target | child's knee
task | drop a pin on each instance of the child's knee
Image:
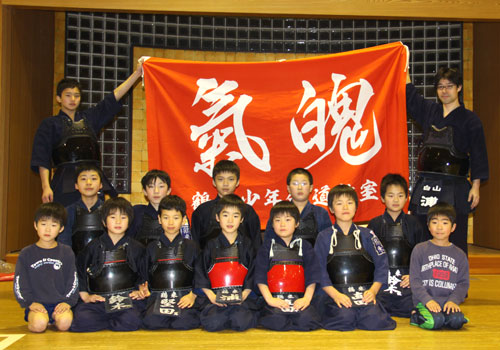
(243, 320)
(439, 320)
(37, 322)
(37, 326)
(455, 320)
(63, 321)
(426, 319)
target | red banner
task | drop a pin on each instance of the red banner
(341, 116)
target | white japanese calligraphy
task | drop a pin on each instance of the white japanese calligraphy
(117, 298)
(168, 303)
(117, 302)
(428, 201)
(367, 191)
(219, 97)
(340, 112)
(271, 197)
(357, 295)
(393, 282)
(119, 306)
(320, 197)
(435, 188)
(199, 198)
(251, 197)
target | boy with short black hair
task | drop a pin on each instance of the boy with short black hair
(313, 218)
(354, 266)
(439, 274)
(225, 271)
(399, 233)
(170, 263)
(110, 269)
(286, 273)
(45, 281)
(204, 226)
(69, 138)
(84, 218)
(156, 185)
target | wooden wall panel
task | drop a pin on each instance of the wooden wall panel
(5, 25)
(487, 106)
(444, 9)
(31, 42)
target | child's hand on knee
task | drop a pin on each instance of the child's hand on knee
(342, 300)
(187, 301)
(95, 298)
(212, 297)
(433, 306)
(137, 295)
(278, 303)
(301, 304)
(37, 307)
(450, 306)
(369, 296)
(61, 308)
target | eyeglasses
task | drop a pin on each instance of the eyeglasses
(445, 87)
(296, 183)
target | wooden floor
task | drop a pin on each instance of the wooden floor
(483, 332)
(484, 260)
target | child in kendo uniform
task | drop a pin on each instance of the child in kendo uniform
(354, 267)
(225, 271)
(69, 139)
(313, 218)
(205, 226)
(286, 273)
(84, 217)
(110, 270)
(170, 263)
(399, 233)
(156, 185)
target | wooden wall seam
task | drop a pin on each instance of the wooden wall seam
(386, 9)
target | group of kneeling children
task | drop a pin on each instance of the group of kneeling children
(138, 267)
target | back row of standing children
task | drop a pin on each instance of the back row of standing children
(236, 281)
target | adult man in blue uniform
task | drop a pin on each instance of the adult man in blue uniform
(453, 142)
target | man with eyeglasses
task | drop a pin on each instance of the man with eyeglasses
(454, 148)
